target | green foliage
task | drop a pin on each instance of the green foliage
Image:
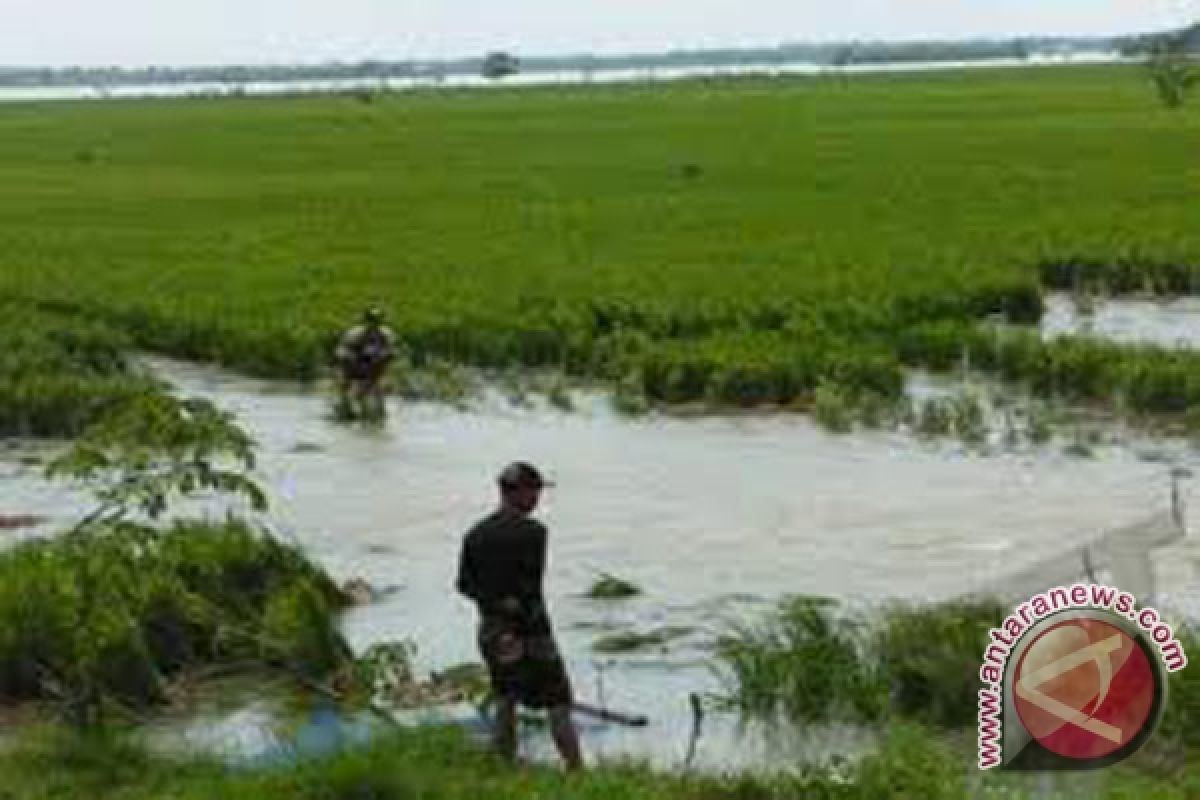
(571, 247)
(1183, 694)
(631, 641)
(912, 765)
(910, 762)
(807, 662)
(1174, 72)
(296, 629)
(109, 615)
(59, 373)
(811, 660)
(832, 409)
(143, 452)
(610, 587)
(931, 658)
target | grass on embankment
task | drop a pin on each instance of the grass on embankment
(557, 228)
(440, 764)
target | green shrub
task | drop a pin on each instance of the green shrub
(118, 610)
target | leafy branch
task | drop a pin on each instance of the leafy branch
(152, 449)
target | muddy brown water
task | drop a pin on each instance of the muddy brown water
(715, 518)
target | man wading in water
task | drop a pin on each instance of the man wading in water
(501, 567)
(363, 356)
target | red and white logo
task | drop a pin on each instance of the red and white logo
(1084, 689)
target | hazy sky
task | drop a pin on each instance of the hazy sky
(136, 32)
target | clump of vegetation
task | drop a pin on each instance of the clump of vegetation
(108, 616)
(930, 657)
(59, 373)
(1183, 691)
(630, 397)
(962, 414)
(631, 641)
(832, 409)
(936, 417)
(813, 661)
(1174, 71)
(610, 587)
(807, 662)
(558, 393)
(1082, 444)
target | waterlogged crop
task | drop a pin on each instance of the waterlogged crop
(822, 237)
(60, 372)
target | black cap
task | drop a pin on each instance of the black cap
(519, 475)
(373, 314)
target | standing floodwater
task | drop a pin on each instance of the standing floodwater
(1173, 322)
(714, 518)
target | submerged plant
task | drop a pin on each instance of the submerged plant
(610, 587)
(832, 408)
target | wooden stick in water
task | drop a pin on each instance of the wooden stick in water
(632, 720)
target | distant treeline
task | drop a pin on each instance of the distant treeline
(833, 54)
(1186, 40)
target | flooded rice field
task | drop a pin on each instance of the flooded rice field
(1173, 322)
(715, 518)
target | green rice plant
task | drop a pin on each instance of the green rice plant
(809, 661)
(58, 373)
(629, 397)
(831, 409)
(1040, 424)
(930, 656)
(937, 417)
(804, 662)
(558, 393)
(604, 271)
(970, 418)
(876, 410)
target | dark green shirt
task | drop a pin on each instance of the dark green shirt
(504, 556)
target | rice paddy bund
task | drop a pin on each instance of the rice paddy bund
(741, 242)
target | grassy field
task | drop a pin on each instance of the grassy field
(732, 241)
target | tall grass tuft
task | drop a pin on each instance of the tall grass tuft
(810, 660)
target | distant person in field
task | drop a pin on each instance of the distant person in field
(363, 356)
(501, 567)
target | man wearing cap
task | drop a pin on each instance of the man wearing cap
(363, 355)
(501, 567)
